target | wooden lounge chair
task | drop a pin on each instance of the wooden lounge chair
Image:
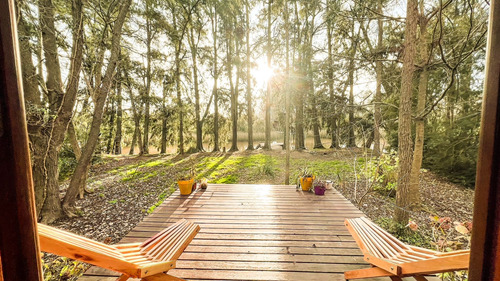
(148, 261)
(391, 257)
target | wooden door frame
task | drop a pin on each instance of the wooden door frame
(18, 236)
(485, 248)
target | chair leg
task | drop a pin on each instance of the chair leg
(366, 273)
(161, 277)
(420, 278)
(123, 278)
(396, 278)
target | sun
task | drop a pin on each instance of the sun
(262, 72)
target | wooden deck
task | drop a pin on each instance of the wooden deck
(256, 232)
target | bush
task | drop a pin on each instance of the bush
(67, 162)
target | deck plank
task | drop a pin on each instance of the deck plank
(256, 232)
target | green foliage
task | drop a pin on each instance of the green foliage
(403, 233)
(451, 151)
(67, 162)
(267, 169)
(227, 179)
(164, 195)
(383, 172)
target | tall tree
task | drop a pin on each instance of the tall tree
(311, 12)
(47, 134)
(150, 34)
(333, 114)
(403, 191)
(299, 94)
(79, 177)
(215, 91)
(248, 78)
(377, 114)
(117, 146)
(351, 140)
(193, 35)
(230, 22)
(287, 94)
(267, 142)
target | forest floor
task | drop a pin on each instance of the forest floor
(125, 189)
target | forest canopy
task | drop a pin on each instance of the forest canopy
(185, 76)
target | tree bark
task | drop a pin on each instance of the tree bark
(80, 175)
(109, 138)
(234, 100)
(314, 111)
(249, 80)
(164, 117)
(351, 142)
(132, 144)
(216, 78)
(180, 108)
(403, 193)
(287, 95)
(418, 151)
(299, 96)
(137, 138)
(194, 53)
(117, 146)
(34, 114)
(377, 114)
(333, 113)
(267, 142)
(149, 39)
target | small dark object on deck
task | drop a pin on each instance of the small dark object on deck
(203, 184)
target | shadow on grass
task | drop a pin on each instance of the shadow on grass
(216, 165)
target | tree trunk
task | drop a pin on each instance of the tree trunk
(299, 122)
(137, 138)
(109, 138)
(267, 142)
(287, 95)
(377, 114)
(249, 80)
(34, 114)
(332, 113)
(216, 78)
(60, 104)
(351, 142)
(132, 144)
(149, 39)
(180, 109)
(199, 124)
(164, 118)
(117, 146)
(80, 175)
(314, 111)
(418, 151)
(234, 101)
(403, 193)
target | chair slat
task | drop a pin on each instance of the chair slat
(387, 234)
(368, 243)
(381, 243)
(168, 234)
(166, 243)
(176, 251)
